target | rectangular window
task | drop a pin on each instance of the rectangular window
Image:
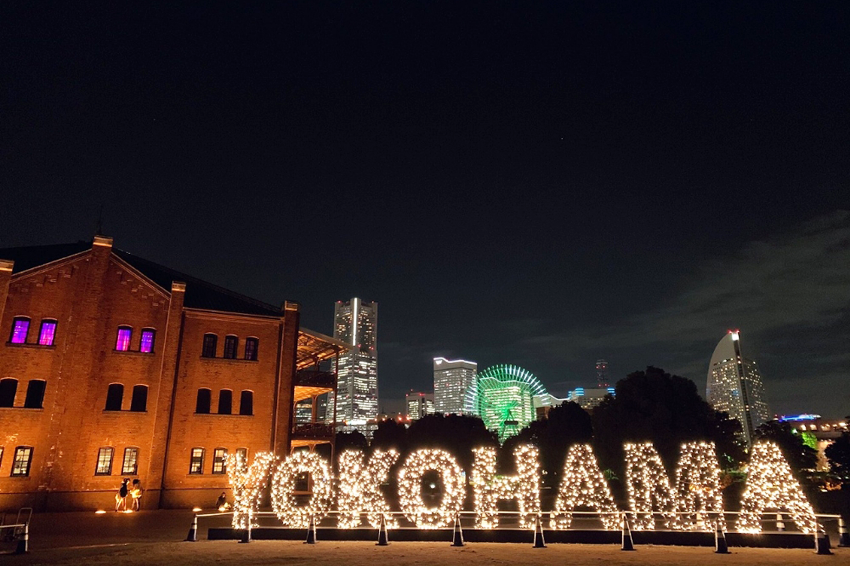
(131, 459)
(251, 347)
(242, 454)
(148, 336)
(230, 345)
(1, 455)
(210, 342)
(122, 343)
(47, 332)
(246, 403)
(104, 462)
(23, 459)
(196, 464)
(20, 329)
(220, 461)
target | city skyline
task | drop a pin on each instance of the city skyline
(544, 185)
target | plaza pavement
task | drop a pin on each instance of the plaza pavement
(155, 537)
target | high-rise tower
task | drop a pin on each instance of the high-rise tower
(734, 385)
(356, 402)
(452, 378)
(602, 374)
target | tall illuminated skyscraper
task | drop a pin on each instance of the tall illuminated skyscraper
(452, 378)
(734, 385)
(356, 402)
(602, 374)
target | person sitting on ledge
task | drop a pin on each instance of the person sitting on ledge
(221, 503)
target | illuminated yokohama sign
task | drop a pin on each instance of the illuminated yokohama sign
(694, 492)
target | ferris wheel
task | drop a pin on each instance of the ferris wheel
(503, 396)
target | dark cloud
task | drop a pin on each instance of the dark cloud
(788, 294)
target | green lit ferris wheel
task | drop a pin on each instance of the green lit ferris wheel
(503, 396)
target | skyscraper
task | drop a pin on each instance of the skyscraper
(419, 404)
(451, 380)
(734, 385)
(602, 374)
(356, 402)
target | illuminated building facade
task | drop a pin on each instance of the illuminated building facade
(117, 367)
(589, 398)
(505, 397)
(356, 400)
(419, 404)
(452, 379)
(734, 385)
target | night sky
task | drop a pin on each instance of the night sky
(541, 184)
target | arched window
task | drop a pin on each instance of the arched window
(122, 341)
(220, 461)
(231, 344)
(148, 340)
(225, 402)
(210, 344)
(8, 388)
(196, 462)
(47, 332)
(246, 403)
(130, 467)
(114, 397)
(202, 405)
(252, 347)
(20, 329)
(139, 401)
(35, 394)
(104, 461)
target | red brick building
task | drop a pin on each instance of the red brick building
(115, 367)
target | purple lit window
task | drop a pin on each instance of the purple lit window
(47, 332)
(20, 328)
(147, 341)
(122, 344)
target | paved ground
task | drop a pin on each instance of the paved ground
(413, 554)
(154, 537)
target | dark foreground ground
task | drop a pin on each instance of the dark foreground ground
(155, 537)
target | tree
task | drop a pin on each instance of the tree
(390, 434)
(565, 425)
(346, 440)
(838, 454)
(666, 410)
(457, 434)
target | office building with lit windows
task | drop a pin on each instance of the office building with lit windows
(116, 367)
(452, 379)
(419, 404)
(602, 374)
(356, 401)
(734, 385)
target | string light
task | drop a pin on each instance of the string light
(360, 488)
(488, 489)
(283, 487)
(648, 486)
(247, 484)
(583, 484)
(770, 485)
(698, 490)
(410, 488)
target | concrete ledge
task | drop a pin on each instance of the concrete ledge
(766, 540)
